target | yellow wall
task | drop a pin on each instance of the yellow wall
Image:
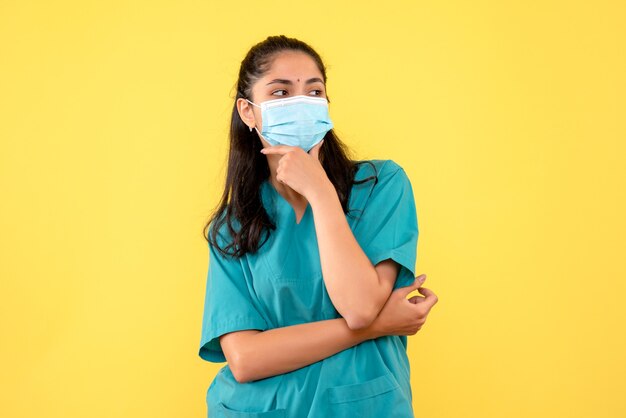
(507, 116)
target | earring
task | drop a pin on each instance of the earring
(250, 128)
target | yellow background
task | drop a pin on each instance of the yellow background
(507, 116)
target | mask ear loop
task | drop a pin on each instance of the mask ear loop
(254, 105)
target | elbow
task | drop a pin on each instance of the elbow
(238, 367)
(364, 317)
(242, 361)
(237, 374)
(362, 320)
(240, 378)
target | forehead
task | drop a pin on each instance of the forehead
(293, 65)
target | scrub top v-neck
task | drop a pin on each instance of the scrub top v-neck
(282, 284)
(268, 188)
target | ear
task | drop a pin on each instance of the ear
(246, 113)
(315, 151)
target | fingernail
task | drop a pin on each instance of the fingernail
(422, 277)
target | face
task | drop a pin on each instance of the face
(292, 73)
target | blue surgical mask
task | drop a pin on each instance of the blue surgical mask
(298, 121)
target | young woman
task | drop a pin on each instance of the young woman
(311, 258)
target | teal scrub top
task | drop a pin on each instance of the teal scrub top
(282, 285)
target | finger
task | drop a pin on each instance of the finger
(315, 151)
(431, 298)
(416, 299)
(405, 290)
(277, 149)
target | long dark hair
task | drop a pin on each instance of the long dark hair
(248, 168)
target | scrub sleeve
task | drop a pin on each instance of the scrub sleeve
(387, 228)
(228, 303)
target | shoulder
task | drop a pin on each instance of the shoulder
(383, 170)
(222, 231)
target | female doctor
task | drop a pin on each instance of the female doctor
(311, 258)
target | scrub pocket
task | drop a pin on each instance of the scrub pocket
(378, 397)
(231, 413)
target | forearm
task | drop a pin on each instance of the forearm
(281, 350)
(354, 287)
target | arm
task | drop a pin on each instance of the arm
(228, 309)
(254, 354)
(356, 289)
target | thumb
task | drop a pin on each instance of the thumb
(413, 286)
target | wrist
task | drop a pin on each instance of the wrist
(371, 332)
(324, 192)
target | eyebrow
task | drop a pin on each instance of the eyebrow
(283, 81)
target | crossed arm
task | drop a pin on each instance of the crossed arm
(254, 354)
(358, 290)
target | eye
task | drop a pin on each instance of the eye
(319, 92)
